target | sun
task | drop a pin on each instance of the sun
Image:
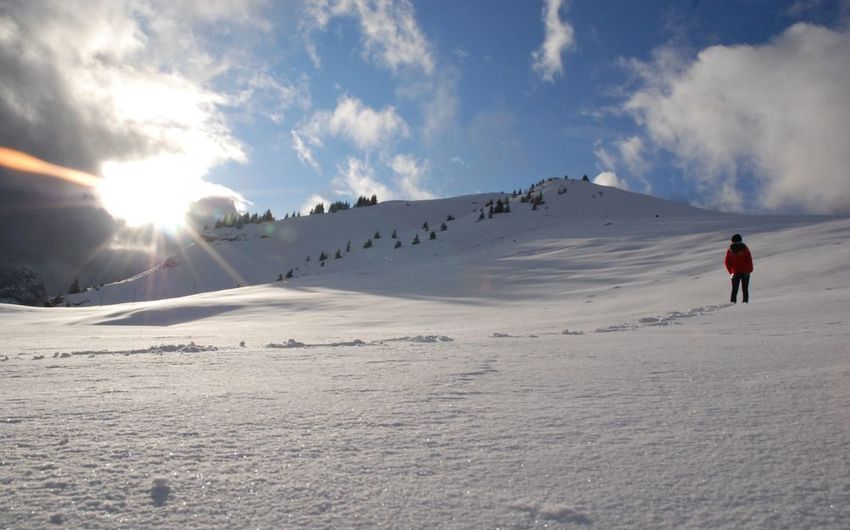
(149, 192)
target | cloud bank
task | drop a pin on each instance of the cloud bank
(776, 116)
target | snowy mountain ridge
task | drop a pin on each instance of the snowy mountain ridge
(298, 247)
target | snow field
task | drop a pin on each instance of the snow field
(568, 374)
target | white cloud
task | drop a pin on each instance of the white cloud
(305, 154)
(609, 178)
(312, 202)
(632, 154)
(409, 174)
(778, 113)
(437, 96)
(607, 160)
(391, 35)
(357, 178)
(366, 127)
(559, 36)
(265, 95)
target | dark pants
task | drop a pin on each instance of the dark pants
(744, 281)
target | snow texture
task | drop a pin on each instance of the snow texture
(577, 366)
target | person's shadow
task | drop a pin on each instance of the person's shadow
(160, 492)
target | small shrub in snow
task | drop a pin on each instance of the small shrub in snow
(481, 217)
(348, 247)
(338, 254)
(432, 235)
(443, 227)
(367, 244)
(425, 226)
(450, 218)
(415, 240)
(289, 274)
(377, 235)
(397, 244)
(394, 236)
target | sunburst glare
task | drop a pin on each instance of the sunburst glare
(155, 191)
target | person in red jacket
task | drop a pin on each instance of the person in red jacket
(739, 263)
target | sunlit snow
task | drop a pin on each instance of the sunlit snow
(578, 365)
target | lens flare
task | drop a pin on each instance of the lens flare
(19, 161)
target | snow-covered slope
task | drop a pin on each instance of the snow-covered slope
(571, 367)
(256, 254)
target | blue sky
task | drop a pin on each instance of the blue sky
(735, 105)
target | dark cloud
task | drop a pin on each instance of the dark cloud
(53, 226)
(60, 64)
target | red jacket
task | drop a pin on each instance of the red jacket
(738, 259)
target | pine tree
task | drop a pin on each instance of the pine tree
(339, 206)
(377, 235)
(450, 218)
(289, 274)
(425, 226)
(367, 244)
(397, 244)
(348, 247)
(280, 277)
(432, 235)
(415, 240)
(338, 254)
(394, 236)
(443, 227)
(75, 287)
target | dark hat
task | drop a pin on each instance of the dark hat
(737, 238)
